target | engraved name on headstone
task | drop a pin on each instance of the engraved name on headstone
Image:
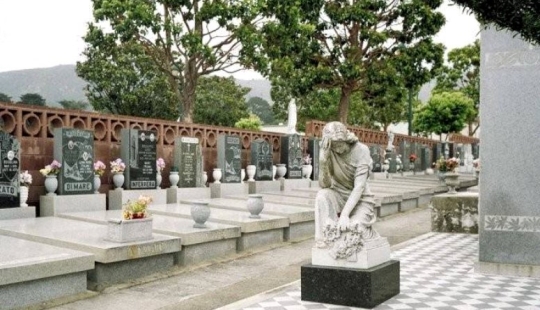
(74, 149)
(261, 157)
(139, 152)
(291, 155)
(9, 171)
(188, 160)
(230, 158)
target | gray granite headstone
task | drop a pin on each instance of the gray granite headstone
(313, 151)
(9, 171)
(425, 158)
(74, 149)
(510, 118)
(262, 158)
(476, 150)
(229, 154)
(376, 157)
(460, 154)
(391, 157)
(405, 152)
(291, 155)
(437, 151)
(188, 160)
(139, 152)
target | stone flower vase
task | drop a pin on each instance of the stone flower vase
(217, 174)
(306, 171)
(204, 178)
(174, 178)
(250, 169)
(200, 212)
(452, 182)
(51, 184)
(159, 178)
(97, 183)
(242, 175)
(281, 171)
(274, 171)
(255, 205)
(441, 176)
(24, 195)
(118, 180)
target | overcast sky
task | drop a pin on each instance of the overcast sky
(46, 33)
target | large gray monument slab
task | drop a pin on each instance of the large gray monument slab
(9, 171)
(139, 153)
(261, 157)
(510, 116)
(313, 151)
(291, 155)
(229, 152)
(188, 160)
(74, 149)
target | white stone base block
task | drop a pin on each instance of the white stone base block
(52, 205)
(290, 184)
(118, 197)
(129, 230)
(17, 213)
(175, 194)
(375, 252)
(221, 190)
(511, 270)
(263, 186)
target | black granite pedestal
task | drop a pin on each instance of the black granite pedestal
(365, 288)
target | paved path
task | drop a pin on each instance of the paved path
(221, 283)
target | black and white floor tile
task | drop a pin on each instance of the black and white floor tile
(436, 273)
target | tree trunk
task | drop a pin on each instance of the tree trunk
(188, 92)
(344, 103)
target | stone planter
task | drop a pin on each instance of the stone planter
(255, 205)
(174, 178)
(200, 212)
(306, 171)
(217, 174)
(159, 178)
(118, 180)
(250, 170)
(24, 196)
(281, 171)
(97, 183)
(452, 182)
(129, 230)
(51, 184)
(441, 176)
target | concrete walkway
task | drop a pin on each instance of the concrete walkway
(224, 282)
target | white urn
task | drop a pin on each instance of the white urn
(217, 174)
(251, 169)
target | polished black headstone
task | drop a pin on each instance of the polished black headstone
(460, 154)
(188, 160)
(229, 158)
(313, 151)
(262, 158)
(405, 152)
(139, 153)
(9, 171)
(376, 157)
(425, 158)
(74, 149)
(437, 151)
(365, 288)
(476, 150)
(291, 155)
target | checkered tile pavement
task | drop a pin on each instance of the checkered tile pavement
(436, 273)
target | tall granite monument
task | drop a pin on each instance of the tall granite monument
(313, 152)
(261, 157)
(139, 153)
(291, 155)
(229, 151)
(188, 160)
(74, 149)
(509, 236)
(9, 171)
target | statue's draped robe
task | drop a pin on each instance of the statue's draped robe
(345, 169)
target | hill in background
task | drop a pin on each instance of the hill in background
(62, 83)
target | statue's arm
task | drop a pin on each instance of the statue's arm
(359, 184)
(325, 167)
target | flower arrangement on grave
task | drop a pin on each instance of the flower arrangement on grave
(25, 178)
(160, 164)
(118, 166)
(440, 164)
(99, 168)
(412, 158)
(476, 164)
(452, 164)
(306, 160)
(136, 209)
(52, 169)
